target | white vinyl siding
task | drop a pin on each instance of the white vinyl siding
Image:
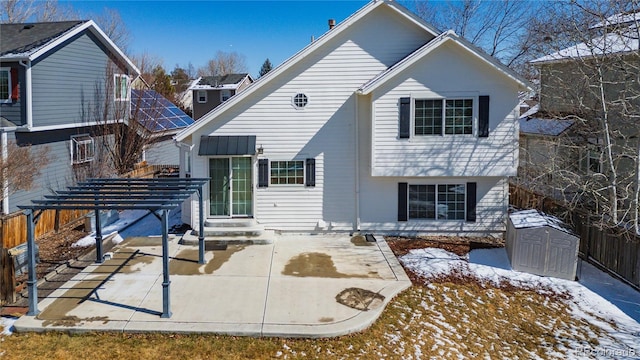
(450, 155)
(324, 130)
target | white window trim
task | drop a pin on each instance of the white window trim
(304, 174)
(436, 202)
(222, 99)
(78, 140)
(206, 96)
(116, 85)
(444, 97)
(9, 90)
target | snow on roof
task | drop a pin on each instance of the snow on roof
(611, 43)
(618, 19)
(532, 218)
(538, 126)
(532, 110)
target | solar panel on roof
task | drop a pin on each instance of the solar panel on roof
(156, 113)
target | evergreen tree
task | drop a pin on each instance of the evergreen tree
(266, 67)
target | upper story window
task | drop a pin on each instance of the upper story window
(202, 96)
(121, 87)
(300, 100)
(287, 172)
(225, 94)
(82, 149)
(443, 116)
(5, 84)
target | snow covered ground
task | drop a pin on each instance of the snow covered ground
(598, 298)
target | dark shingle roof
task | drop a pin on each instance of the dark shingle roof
(222, 80)
(26, 38)
(538, 126)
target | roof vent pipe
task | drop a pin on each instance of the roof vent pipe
(332, 23)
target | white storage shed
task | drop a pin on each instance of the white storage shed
(541, 244)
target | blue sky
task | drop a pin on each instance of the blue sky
(180, 32)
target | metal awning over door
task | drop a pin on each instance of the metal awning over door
(227, 145)
(158, 196)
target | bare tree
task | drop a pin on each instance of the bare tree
(19, 11)
(498, 27)
(112, 24)
(21, 166)
(223, 64)
(593, 79)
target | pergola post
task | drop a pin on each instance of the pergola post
(201, 227)
(166, 298)
(32, 282)
(99, 256)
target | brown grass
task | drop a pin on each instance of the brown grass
(446, 317)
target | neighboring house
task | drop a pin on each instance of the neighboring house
(582, 85)
(382, 124)
(541, 150)
(210, 91)
(55, 78)
(162, 120)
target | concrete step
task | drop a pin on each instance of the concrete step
(230, 223)
(264, 237)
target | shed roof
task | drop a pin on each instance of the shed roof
(532, 218)
(540, 126)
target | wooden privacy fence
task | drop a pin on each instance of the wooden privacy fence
(616, 250)
(13, 227)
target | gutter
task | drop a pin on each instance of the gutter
(28, 95)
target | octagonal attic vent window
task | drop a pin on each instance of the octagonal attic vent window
(300, 100)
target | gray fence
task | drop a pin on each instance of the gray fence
(616, 251)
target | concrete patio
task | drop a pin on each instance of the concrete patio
(297, 286)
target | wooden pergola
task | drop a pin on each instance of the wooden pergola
(158, 196)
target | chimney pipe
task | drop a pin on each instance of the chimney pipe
(332, 23)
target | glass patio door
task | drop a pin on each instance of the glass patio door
(231, 188)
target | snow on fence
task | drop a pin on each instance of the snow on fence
(614, 250)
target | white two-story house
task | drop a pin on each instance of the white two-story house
(381, 125)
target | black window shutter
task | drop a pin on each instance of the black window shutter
(311, 172)
(402, 202)
(405, 118)
(471, 201)
(263, 172)
(483, 116)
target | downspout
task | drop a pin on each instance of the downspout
(5, 181)
(29, 98)
(357, 163)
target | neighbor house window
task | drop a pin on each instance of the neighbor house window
(82, 149)
(202, 96)
(443, 116)
(5, 84)
(287, 172)
(121, 87)
(300, 100)
(445, 201)
(225, 94)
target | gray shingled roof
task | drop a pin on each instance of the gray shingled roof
(26, 38)
(222, 80)
(538, 126)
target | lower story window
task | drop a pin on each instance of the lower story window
(82, 149)
(287, 172)
(437, 201)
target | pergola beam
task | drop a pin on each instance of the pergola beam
(117, 194)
